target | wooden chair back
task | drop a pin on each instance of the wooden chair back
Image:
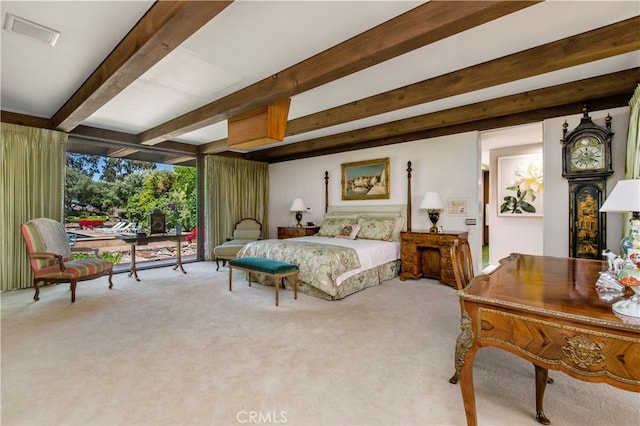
(462, 263)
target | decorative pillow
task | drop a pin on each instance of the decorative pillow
(372, 228)
(397, 228)
(349, 232)
(332, 227)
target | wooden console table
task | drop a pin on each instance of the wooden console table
(134, 241)
(546, 310)
(426, 254)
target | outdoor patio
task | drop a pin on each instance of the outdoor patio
(156, 251)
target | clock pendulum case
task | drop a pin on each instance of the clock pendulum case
(586, 163)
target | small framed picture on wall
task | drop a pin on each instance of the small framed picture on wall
(458, 207)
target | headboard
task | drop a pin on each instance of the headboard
(388, 210)
(403, 211)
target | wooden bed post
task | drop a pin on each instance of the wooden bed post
(326, 191)
(408, 196)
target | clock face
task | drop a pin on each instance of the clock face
(587, 154)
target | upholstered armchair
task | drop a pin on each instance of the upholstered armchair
(244, 232)
(50, 257)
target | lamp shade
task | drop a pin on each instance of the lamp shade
(298, 206)
(432, 201)
(624, 198)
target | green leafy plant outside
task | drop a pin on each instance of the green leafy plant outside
(113, 257)
(129, 190)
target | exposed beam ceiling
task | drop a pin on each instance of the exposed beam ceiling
(175, 74)
(163, 28)
(425, 24)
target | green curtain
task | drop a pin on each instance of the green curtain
(632, 167)
(234, 189)
(32, 163)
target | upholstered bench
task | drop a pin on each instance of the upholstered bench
(260, 265)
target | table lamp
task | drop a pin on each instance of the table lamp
(625, 198)
(432, 202)
(298, 207)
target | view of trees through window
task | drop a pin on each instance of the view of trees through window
(116, 189)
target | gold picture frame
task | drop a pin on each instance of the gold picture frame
(366, 180)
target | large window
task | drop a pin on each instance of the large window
(106, 197)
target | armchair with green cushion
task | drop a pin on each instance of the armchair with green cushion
(244, 232)
(50, 257)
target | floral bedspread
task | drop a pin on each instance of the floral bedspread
(319, 264)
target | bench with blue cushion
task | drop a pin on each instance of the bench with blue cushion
(260, 265)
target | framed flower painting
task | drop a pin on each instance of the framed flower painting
(520, 185)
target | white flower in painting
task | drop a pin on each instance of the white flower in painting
(529, 178)
(527, 184)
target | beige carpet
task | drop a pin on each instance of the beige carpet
(181, 350)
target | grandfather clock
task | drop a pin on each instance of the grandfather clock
(586, 163)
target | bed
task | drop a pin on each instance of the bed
(334, 264)
(357, 246)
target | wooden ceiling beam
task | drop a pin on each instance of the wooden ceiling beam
(129, 141)
(418, 27)
(24, 120)
(163, 28)
(611, 40)
(623, 82)
(616, 39)
(493, 123)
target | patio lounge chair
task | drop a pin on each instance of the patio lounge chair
(113, 228)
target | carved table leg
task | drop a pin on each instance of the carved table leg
(465, 352)
(179, 257)
(466, 387)
(542, 374)
(133, 271)
(463, 343)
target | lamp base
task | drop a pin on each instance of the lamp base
(434, 215)
(298, 218)
(632, 242)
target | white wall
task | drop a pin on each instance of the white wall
(556, 210)
(512, 234)
(450, 165)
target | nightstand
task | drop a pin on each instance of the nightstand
(292, 231)
(426, 254)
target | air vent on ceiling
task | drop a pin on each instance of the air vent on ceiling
(34, 31)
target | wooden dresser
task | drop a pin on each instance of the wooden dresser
(428, 255)
(292, 231)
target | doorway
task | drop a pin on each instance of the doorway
(504, 141)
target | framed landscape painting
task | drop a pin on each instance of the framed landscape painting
(366, 180)
(520, 185)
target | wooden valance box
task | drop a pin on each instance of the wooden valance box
(261, 126)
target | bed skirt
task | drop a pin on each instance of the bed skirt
(365, 279)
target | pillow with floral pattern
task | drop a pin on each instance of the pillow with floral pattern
(350, 232)
(331, 227)
(376, 229)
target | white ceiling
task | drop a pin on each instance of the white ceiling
(251, 40)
